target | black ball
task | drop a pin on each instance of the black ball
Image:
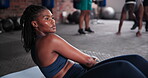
(70, 18)
(7, 24)
(76, 15)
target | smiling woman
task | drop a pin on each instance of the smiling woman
(52, 53)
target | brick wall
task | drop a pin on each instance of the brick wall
(17, 7)
(60, 6)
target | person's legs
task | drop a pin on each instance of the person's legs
(136, 60)
(132, 15)
(114, 69)
(87, 21)
(83, 7)
(81, 19)
(140, 19)
(122, 18)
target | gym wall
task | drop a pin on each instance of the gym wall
(16, 7)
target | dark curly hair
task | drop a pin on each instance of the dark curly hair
(28, 31)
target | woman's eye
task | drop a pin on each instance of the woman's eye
(46, 18)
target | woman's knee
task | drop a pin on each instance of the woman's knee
(135, 56)
(116, 64)
(124, 63)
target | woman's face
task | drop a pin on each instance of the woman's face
(45, 22)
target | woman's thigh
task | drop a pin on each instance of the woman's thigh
(114, 69)
(136, 60)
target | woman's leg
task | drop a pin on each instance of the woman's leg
(140, 19)
(114, 69)
(136, 60)
(87, 19)
(81, 20)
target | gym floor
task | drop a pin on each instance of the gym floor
(103, 43)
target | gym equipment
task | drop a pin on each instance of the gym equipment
(4, 4)
(70, 18)
(107, 13)
(7, 24)
(64, 17)
(75, 16)
(16, 22)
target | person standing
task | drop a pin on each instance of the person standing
(132, 6)
(85, 6)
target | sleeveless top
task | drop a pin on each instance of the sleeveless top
(52, 69)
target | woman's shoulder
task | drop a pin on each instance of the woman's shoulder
(48, 40)
(53, 37)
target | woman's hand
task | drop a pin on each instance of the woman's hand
(96, 59)
(93, 61)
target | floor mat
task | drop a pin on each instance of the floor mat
(33, 72)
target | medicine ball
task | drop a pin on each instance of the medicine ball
(7, 24)
(75, 16)
(70, 18)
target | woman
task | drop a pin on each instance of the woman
(52, 53)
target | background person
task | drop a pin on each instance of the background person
(85, 6)
(132, 6)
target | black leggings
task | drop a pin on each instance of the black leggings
(127, 66)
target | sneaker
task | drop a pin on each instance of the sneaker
(89, 30)
(134, 26)
(81, 31)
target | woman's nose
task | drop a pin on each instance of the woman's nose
(52, 21)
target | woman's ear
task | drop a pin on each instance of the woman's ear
(34, 24)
